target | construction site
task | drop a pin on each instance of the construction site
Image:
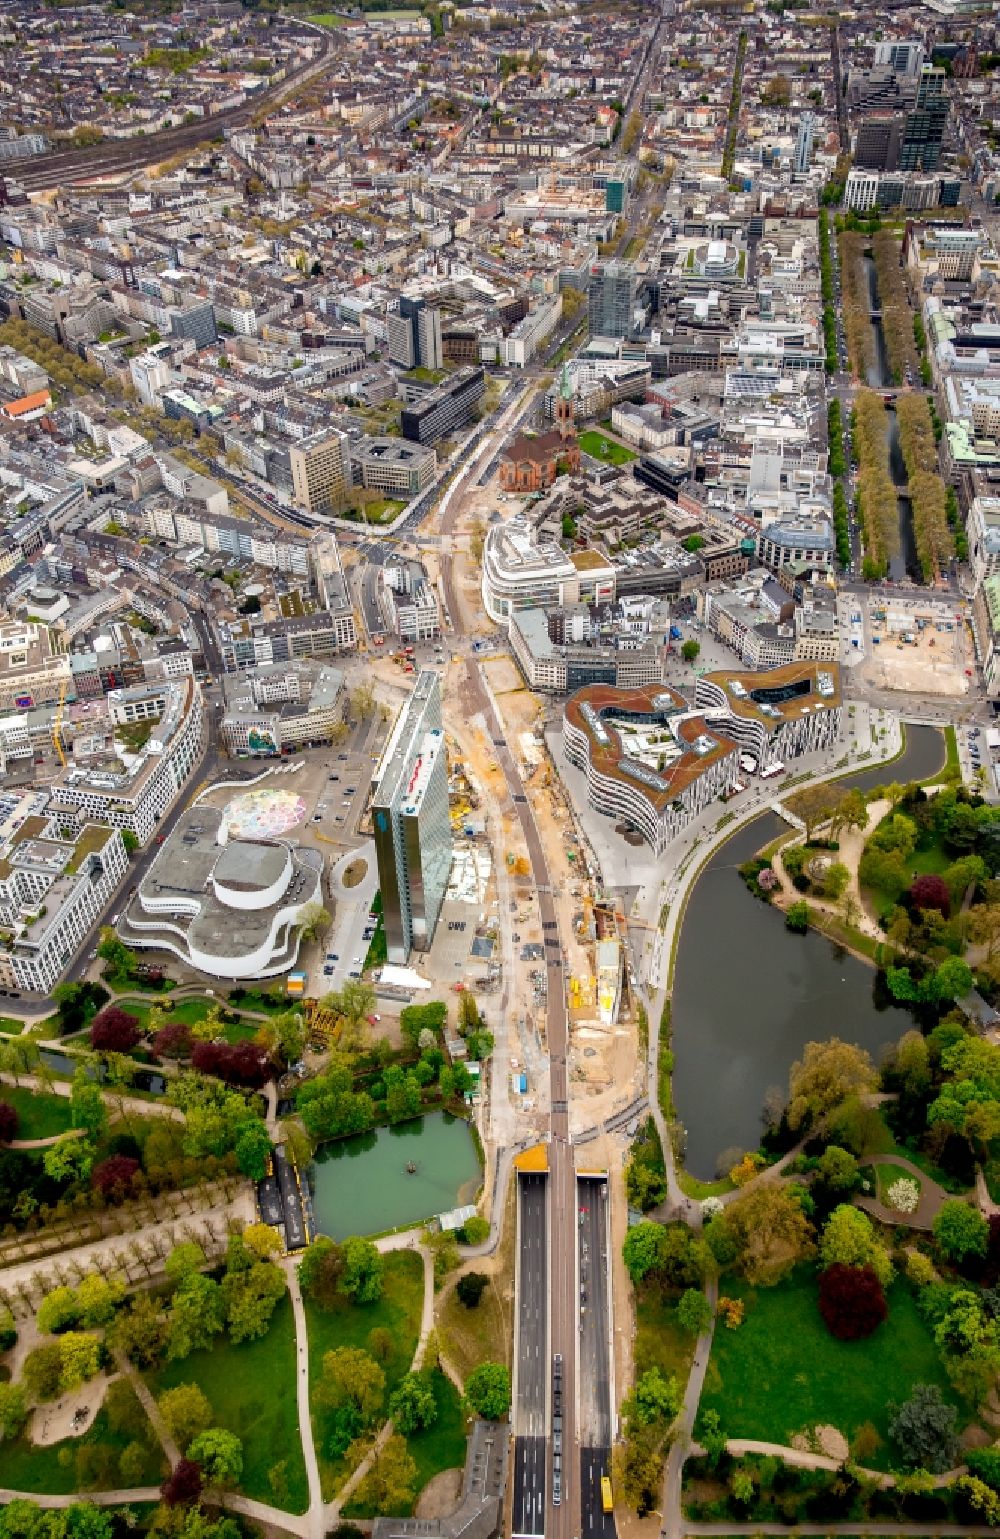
(917, 645)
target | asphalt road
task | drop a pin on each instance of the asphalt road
(563, 1520)
(595, 1375)
(533, 1364)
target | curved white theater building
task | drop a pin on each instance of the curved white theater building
(229, 907)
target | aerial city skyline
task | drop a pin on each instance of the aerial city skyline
(499, 769)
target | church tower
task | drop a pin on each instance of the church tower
(564, 406)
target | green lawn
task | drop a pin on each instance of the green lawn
(951, 764)
(349, 1325)
(781, 1371)
(932, 860)
(381, 510)
(60, 1469)
(187, 1012)
(253, 999)
(886, 1144)
(692, 1187)
(10, 1027)
(600, 448)
(329, 20)
(886, 1175)
(659, 1341)
(40, 1115)
(251, 1389)
(440, 1447)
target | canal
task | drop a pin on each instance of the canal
(748, 994)
(903, 563)
(395, 1176)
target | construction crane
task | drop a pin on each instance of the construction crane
(57, 723)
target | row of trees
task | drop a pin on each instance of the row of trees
(932, 532)
(828, 293)
(854, 299)
(876, 497)
(63, 367)
(900, 348)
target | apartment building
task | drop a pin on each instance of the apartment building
(53, 887)
(134, 795)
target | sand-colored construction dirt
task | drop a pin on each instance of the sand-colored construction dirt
(504, 677)
(935, 662)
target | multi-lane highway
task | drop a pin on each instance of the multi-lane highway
(596, 1423)
(531, 1371)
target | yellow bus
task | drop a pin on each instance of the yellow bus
(607, 1498)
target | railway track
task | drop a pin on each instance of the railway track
(70, 167)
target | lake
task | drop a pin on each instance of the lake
(361, 1185)
(748, 994)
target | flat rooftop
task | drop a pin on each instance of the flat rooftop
(183, 871)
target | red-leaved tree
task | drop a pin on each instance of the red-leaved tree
(113, 1030)
(851, 1301)
(238, 1063)
(173, 1041)
(930, 891)
(8, 1122)
(115, 1175)
(183, 1485)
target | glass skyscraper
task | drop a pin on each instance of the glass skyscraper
(412, 822)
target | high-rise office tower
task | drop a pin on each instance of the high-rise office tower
(321, 470)
(902, 58)
(804, 141)
(923, 132)
(878, 142)
(413, 334)
(611, 294)
(412, 822)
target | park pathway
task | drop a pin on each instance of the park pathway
(932, 1197)
(63, 1087)
(404, 1241)
(149, 1405)
(44, 1143)
(315, 1512)
(674, 1526)
(132, 1496)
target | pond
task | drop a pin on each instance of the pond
(748, 995)
(364, 1184)
(62, 1063)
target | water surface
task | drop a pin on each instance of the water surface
(748, 995)
(362, 1185)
